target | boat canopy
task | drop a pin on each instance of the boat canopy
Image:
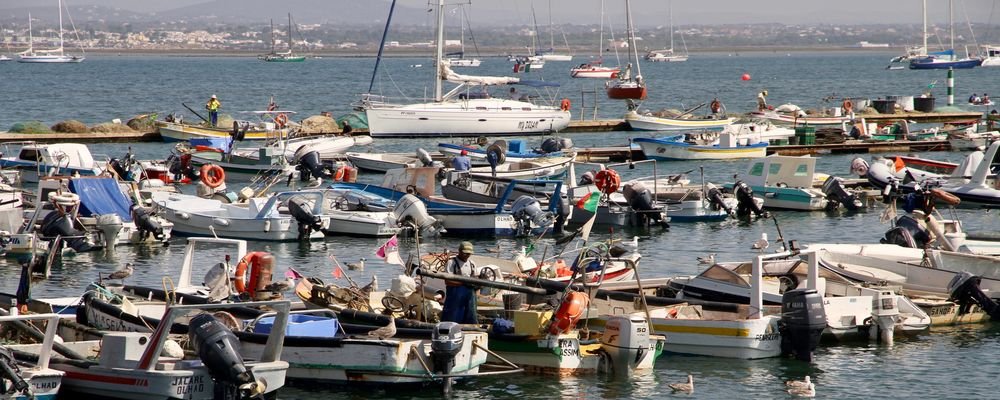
(453, 77)
(101, 196)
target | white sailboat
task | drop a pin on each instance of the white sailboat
(461, 61)
(3, 57)
(596, 69)
(56, 55)
(550, 54)
(668, 55)
(466, 110)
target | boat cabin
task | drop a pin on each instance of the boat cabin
(783, 171)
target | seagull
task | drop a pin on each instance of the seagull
(710, 260)
(371, 286)
(793, 384)
(122, 273)
(808, 391)
(280, 286)
(761, 244)
(385, 332)
(635, 242)
(684, 387)
(359, 266)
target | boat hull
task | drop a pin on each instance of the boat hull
(597, 72)
(132, 384)
(627, 92)
(467, 118)
(668, 150)
(650, 123)
(175, 132)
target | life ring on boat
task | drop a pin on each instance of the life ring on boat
(607, 181)
(340, 174)
(565, 104)
(848, 106)
(244, 280)
(280, 120)
(715, 106)
(64, 199)
(569, 312)
(945, 197)
(212, 175)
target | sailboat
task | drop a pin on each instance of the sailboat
(530, 62)
(627, 88)
(461, 61)
(286, 56)
(550, 54)
(942, 59)
(466, 110)
(595, 69)
(668, 55)
(56, 55)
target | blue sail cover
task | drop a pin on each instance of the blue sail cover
(101, 196)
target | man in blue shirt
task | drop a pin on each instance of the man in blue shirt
(462, 162)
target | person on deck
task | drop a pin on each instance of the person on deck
(715, 106)
(972, 98)
(462, 162)
(347, 128)
(985, 100)
(460, 299)
(762, 100)
(213, 110)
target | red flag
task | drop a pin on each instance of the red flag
(292, 273)
(899, 164)
(338, 272)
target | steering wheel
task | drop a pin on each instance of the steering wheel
(488, 274)
(392, 304)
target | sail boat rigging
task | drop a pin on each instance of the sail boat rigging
(595, 69)
(626, 87)
(943, 59)
(668, 55)
(461, 61)
(550, 54)
(56, 55)
(286, 56)
(532, 61)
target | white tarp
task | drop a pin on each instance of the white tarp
(451, 76)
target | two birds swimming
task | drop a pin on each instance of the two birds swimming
(803, 388)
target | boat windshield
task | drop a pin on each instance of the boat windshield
(723, 274)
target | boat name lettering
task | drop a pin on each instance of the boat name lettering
(768, 336)
(104, 321)
(527, 125)
(505, 218)
(568, 348)
(45, 385)
(189, 384)
(14, 240)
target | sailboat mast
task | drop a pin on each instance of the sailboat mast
(31, 39)
(271, 34)
(925, 28)
(552, 30)
(439, 61)
(951, 23)
(60, 29)
(600, 42)
(670, 9)
(633, 52)
(289, 32)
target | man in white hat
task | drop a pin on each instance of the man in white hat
(460, 299)
(213, 110)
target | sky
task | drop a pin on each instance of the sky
(655, 12)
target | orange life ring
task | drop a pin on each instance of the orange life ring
(607, 181)
(716, 106)
(565, 105)
(341, 172)
(946, 197)
(569, 312)
(212, 175)
(848, 106)
(251, 262)
(281, 119)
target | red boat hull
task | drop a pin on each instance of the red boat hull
(625, 93)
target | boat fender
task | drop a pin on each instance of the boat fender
(569, 312)
(182, 215)
(248, 265)
(565, 104)
(220, 222)
(424, 157)
(945, 197)
(212, 175)
(607, 181)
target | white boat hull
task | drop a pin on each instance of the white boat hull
(661, 151)
(496, 117)
(132, 384)
(381, 162)
(355, 223)
(651, 123)
(195, 216)
(744, 339)
(598, 73)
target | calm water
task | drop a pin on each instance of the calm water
(946, 363)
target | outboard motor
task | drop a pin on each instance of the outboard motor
(411, 210)
(803, 320)
(217, 346)
(311, 166)
(425, 158)
(110, 226)
(587, 178)
(119, 168)
(301, 210)
(10, 372)
(860, 167)
(835, 192)
(626, 341)
(640, 199)
(717, 200)
(146, 224)
(446, 342)
(528, 213)
(745, 201)
(562, 214)
(59, 224)
(556, 144)
(964, 290)
(907, 233)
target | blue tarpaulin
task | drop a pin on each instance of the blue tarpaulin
(101, 196)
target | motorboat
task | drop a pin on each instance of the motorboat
(650, 122)
(791, 183)
(673, 148)
(971, 191)
(292, 215)
(35, 160)
(514, 150)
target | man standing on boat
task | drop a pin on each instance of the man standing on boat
(460, 299)
(462, 162)
(213, 110)
(762, 100)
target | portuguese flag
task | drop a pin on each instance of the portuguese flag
(589, 202)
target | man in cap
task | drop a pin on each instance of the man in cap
(213, 110)
(762, 100)
(460, 299)
(462, 162)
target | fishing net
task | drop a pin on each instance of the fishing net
(70, 126)
(30, 127)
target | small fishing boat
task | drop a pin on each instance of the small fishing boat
(292, 215)
(174, 130)
(795, 116)
(33, 379)
(513, 150)
(552, 167)
(650, 122)
(357, 214)
(673, 148)
(784, 182)
(595, 70)
(35, 160)
(970, 191)
(382, 162)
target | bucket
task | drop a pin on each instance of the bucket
(837, 111)
(806, 135)
(884, 106)
(906, 102)
(923, 104)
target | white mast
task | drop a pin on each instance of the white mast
(670, 9)
(31, 39)
(439, 60)
(600, 43)
(631, 40)
(552, 30)
(951, 23)
(60, 29)
(289, 34)
(925, 28)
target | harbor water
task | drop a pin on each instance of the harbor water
(946, 363)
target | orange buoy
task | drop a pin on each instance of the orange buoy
(569, 312)
(745, 77)
(212, 175)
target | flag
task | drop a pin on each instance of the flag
(389, 252)
(589, 202)
(338, 272)
(292, 273)
(899, 164)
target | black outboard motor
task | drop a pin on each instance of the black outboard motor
(562, 214)
(836, 194)
(59, 224)
(907, 233)
(446, 342)
(556, 144)
(745, 202)
(311, 166)
(640, 199)
(717, 200)
(9, 371)
(587, 178)
(528, 213)
(119, 168)
(144, 221)
(216, 347)
(803, 320)
(301, 210)
(964, 290)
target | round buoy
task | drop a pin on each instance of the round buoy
(745, 77)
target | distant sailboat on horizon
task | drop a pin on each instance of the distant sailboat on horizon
(286, 56)
(56, 55)
(942, 59)
(669, 55)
